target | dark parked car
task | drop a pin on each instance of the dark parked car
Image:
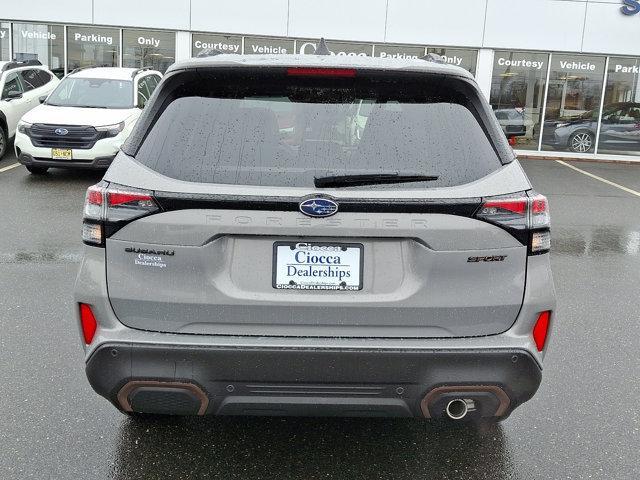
(620, 129)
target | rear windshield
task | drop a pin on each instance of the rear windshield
(284, 131)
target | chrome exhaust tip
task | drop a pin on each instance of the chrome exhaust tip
(457, 409)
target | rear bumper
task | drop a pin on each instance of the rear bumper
(177, 379)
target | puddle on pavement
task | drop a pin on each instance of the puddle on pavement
(597, 241)
(40, 257)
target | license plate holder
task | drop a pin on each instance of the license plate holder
(338, 266)
(61, 154)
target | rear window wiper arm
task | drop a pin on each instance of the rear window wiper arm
(370, 179)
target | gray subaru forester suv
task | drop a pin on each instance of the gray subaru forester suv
(316, 235)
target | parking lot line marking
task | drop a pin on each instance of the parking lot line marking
(4, 169)
(603, 180)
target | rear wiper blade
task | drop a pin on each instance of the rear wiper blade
(370, 179)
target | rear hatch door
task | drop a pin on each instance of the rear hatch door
(230, 250)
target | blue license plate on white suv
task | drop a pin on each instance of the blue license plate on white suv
(317, 266)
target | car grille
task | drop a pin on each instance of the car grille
(81, 137)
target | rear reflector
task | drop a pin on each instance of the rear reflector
(88, 323)
(541, 329)
(321, 72)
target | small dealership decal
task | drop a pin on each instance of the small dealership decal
(149, 260)
(149, 257)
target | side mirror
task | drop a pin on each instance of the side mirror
(13, 94)
(42, 98)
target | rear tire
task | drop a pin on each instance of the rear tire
(37, 170)
(4, 141)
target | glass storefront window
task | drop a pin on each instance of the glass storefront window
(146, 48)
(517, 93)
(268, 46)
(5, 28)
(308, 46)
(461, 57)
(201, 43)
(399, 51)
(620, 123)
(92, 46)
(573, 102)
(40, 42)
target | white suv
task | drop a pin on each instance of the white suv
(21, 84)
(83, 123)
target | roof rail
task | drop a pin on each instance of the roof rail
(79, 69)
(209, 52)
(432, 57)
(322, 48)
(14, 64)
(138, 70)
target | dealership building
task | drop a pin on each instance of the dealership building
(561, 75)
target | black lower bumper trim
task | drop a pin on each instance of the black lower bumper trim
(98, 163)
(318, 382)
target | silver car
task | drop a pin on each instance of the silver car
(316, 235)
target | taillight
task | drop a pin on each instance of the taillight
(541, 329)
(525, 216)
(321, 72)
(88, 323)
(107, 208)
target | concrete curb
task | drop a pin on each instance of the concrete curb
(579, 159)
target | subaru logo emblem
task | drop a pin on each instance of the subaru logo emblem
(318, 207)
(61, 131)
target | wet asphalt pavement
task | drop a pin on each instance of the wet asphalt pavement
(583, 422)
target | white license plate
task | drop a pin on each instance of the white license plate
(317, 266)
(61, 153)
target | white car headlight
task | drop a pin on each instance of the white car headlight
(111, 130)
(23, 126)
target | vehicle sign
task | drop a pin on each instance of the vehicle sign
(317, 266)
(61, 153)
